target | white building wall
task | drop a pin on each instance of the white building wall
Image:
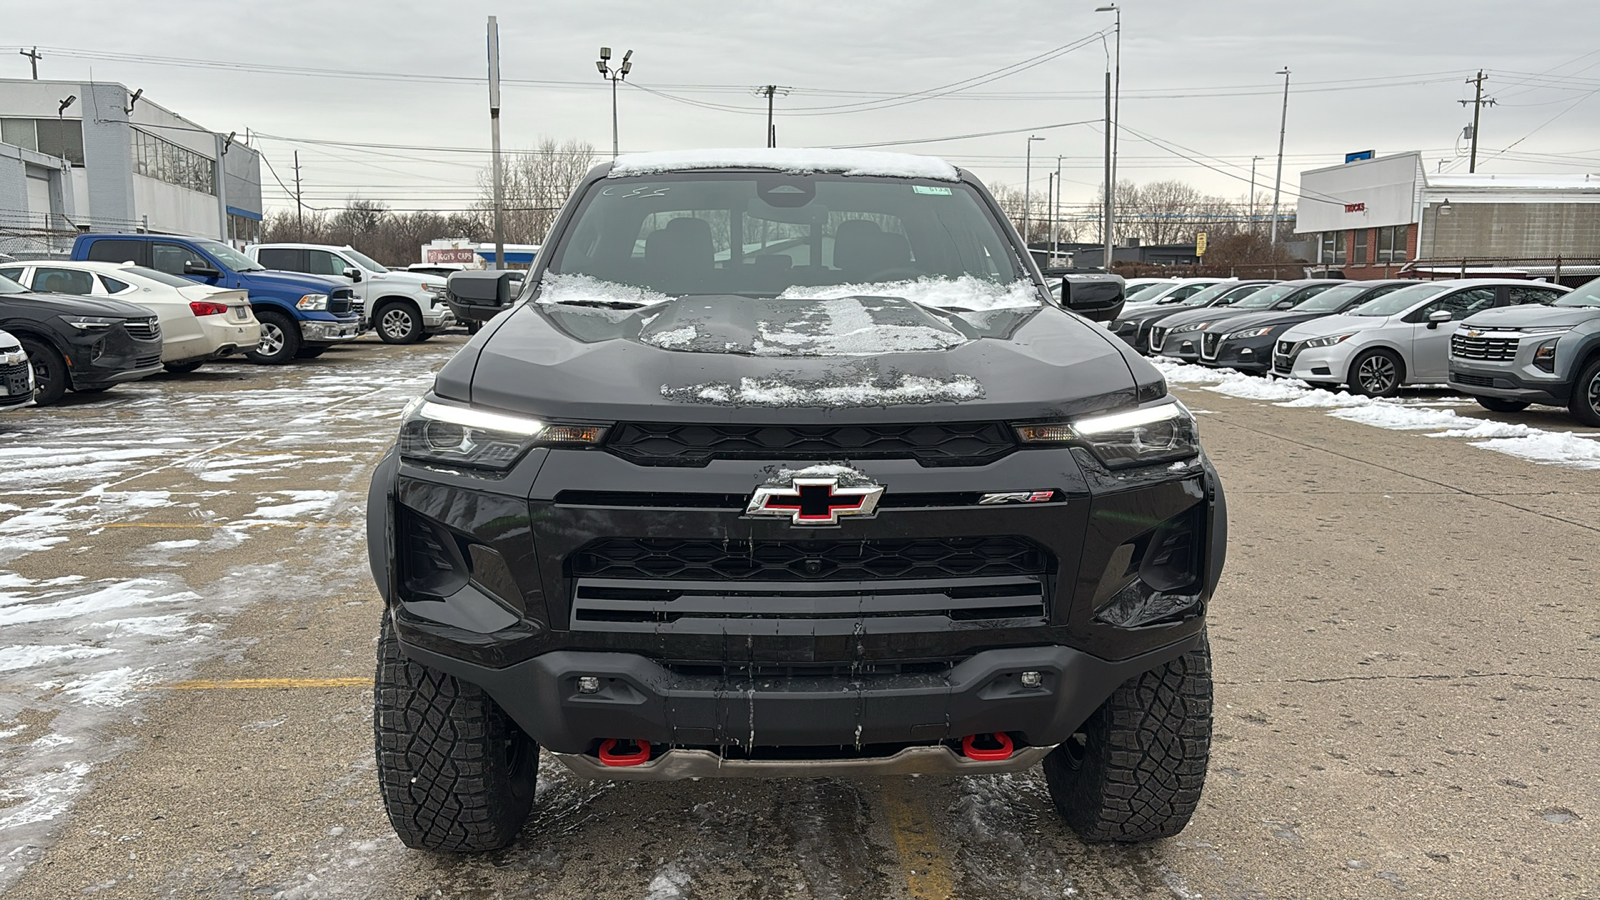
(174, 209)
(1368, 194)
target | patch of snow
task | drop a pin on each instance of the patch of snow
(799, 161)
(175, 545)
(671, 340)
(137, 592)
(108, 688)
(847, 327)
(774, 392)
(30, 657)
(669, 883)
(303, 504)
(583, 289)
(966, 292)
(44, 796)
(1562, 447)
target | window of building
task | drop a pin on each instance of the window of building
(1392, 243)
(1358, 252)
(61, 138)
(1332, 248)
(241, 228)
(158, 158)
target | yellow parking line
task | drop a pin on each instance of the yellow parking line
(928, 876)
(236, 684)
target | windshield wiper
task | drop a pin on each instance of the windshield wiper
(603, 304)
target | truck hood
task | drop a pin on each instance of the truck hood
(407, 280)
(293, 281)
(859, 359)
(1532, 316)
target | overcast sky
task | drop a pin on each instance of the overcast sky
(1197, 77)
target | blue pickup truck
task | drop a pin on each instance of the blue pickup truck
(301, 315)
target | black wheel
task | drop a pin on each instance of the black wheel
(182, 368)
(1135, 771)
(1495, 404)
(1585, 402)
(398, 323)
(49, 371)
(280, 339)
(1377, 373)
(456, 774)
(310, 352)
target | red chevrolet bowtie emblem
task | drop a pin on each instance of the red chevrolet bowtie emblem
(814, 501)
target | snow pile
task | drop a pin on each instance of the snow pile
(672, 340)
(302, 504)
(1512, 438)
(798, 161)
(966, 292)
(583, 289)
(866, 392)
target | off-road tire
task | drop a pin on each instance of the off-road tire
(182, 368)
(280, 339)
(49, 371)
(1135, 770)
(456, 774)
(1585, 402)
(398, 322)
(1495, 404)
(1378, 358)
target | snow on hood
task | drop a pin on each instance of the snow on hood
(846, 162)
(865, 391)
(1333, 325)
(965, 292)
(585, 290)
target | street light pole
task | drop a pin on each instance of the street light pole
(614, 76)
(1027, 187)
(1253, 161)
(1055, 216)
(1116, 122)
(1277, 182)
(494, 134)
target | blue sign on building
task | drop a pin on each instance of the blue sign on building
(1358, 155)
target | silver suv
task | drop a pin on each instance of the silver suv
(1512, 357)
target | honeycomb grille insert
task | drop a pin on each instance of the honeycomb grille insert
(703, 560)
(948, 444)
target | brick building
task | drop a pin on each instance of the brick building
(1371, 218)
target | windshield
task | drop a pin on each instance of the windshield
(364, 261)
(1268, 296)
(1585, 295)
(229, 257)
(1204, 297)
(1146, 290)
(7, 286)
(637, 241)
(157, 275)
(1333, 298)
(1399, 301)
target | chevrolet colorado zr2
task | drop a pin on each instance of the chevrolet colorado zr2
(790, 463)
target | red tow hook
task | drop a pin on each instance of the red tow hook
(640, 752)
(995, 747)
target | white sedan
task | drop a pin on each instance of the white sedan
(199, 323)
(1398, 339)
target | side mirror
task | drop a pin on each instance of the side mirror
(1439, 317)
(1283, 304)
(200, 269)
(1098, 298)
(352, 273)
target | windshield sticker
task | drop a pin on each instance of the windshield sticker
(935, 191)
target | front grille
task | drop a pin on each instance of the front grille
(151, 359)
(1209, 344)
(946, 444)
(1158, 338)
(338, 305)
(143, 329)
(1283, 356)
(862, 560)
(1473, 380)
(1486, 348)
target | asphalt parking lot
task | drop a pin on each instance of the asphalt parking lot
(1407, 652)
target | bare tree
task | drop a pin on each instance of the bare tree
(536, 184)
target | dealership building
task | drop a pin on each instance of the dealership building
(94, 156)
(1385, 216)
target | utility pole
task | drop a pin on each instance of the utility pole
(1116, 106)
(1055, 216)
(1253, 161)
(769, 91)
(299, 208)
(1277, 183)
(614, 76)
(1477, 107)
(33, 57)
(1027, 188)
(1105, 221)
(494, 144)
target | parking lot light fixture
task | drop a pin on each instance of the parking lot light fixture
(614, 76)
(1277, 182)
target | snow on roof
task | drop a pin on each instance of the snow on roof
(1485, 180)
(846, 162)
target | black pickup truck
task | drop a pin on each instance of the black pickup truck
(792, 463)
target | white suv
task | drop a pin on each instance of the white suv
(403, 307)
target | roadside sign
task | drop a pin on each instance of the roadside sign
(1200, 244)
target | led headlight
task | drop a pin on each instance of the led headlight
(434, 432)
(1328, 341)
(312, 301)
(1250, 333)
(1192, 326)
(90, 323)
(1136, 437)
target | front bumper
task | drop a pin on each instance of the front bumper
(437, 317)
(318, 331)
(643, 700)
(1322, 364)
(1510, 380)
(17, 386)
(1184, 345)
(1253, 355)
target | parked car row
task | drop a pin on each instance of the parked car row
(1509, 343)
